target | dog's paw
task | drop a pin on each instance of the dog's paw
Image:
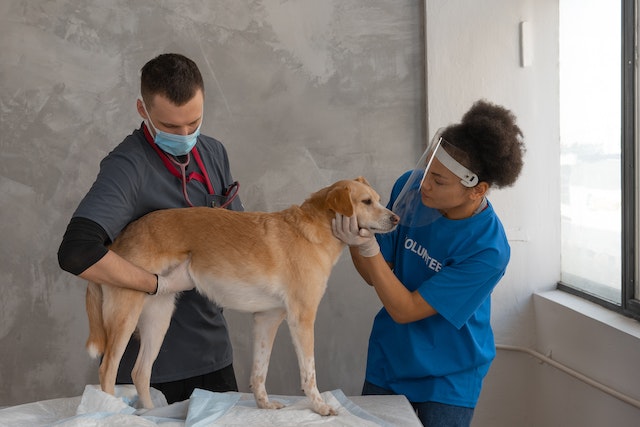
(270, 404)
(324, 410)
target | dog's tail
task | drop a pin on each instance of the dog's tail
(97, 336)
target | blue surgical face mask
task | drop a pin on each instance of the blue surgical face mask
(178, 145)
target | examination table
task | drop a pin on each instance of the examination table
(204, 408)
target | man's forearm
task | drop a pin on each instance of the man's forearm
(114, 270)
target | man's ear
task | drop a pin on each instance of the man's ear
(140, 109)
(339, 201)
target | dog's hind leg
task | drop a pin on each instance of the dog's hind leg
(301, 324)
(97, 337)
(265, 326)
(120, 313)
(152, 327)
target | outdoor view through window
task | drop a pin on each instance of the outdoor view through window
(590, 136)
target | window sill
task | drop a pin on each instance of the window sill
(582, 307)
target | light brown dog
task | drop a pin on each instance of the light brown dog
(274, 265)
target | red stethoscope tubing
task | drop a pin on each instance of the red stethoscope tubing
(170, 163)
(230, 198)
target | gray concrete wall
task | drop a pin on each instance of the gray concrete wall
(302, 93)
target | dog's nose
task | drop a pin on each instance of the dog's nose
(394, 219)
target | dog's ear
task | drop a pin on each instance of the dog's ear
(339, 200)
(362, 180)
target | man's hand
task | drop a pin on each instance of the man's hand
(346, 229)
(176, 280)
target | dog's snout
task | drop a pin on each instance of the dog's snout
(395, 219)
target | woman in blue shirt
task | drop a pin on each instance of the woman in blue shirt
(432, 341)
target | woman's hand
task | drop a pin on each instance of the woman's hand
(346, 229)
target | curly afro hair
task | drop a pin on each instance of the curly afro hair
(492, 141)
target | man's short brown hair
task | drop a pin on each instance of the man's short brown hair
(171, 75)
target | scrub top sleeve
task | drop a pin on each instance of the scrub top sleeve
(112, 198)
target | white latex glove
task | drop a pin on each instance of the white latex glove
(346, 229)
(176, 280)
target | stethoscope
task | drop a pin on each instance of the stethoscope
(173, 165)
(229, 195)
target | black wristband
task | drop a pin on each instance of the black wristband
(156, 291)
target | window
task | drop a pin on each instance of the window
(598, 98)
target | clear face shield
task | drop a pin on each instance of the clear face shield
(408, 205)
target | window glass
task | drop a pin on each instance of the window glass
(590, 140)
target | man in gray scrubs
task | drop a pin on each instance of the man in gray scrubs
(166, 163)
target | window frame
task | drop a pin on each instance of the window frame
(630, 291)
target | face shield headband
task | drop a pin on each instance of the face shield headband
(467, 178)
(408, 205)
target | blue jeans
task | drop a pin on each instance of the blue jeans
(431, 414)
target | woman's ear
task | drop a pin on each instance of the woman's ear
(480, 190)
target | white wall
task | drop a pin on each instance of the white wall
(594, 342)
(473, 52)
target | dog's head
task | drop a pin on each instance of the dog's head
(357, 197)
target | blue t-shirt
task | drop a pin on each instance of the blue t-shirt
(454, 265)
(132, 182)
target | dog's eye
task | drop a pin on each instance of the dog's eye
(367, 201)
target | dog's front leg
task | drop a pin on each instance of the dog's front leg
(301, 328)
(265, 326)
